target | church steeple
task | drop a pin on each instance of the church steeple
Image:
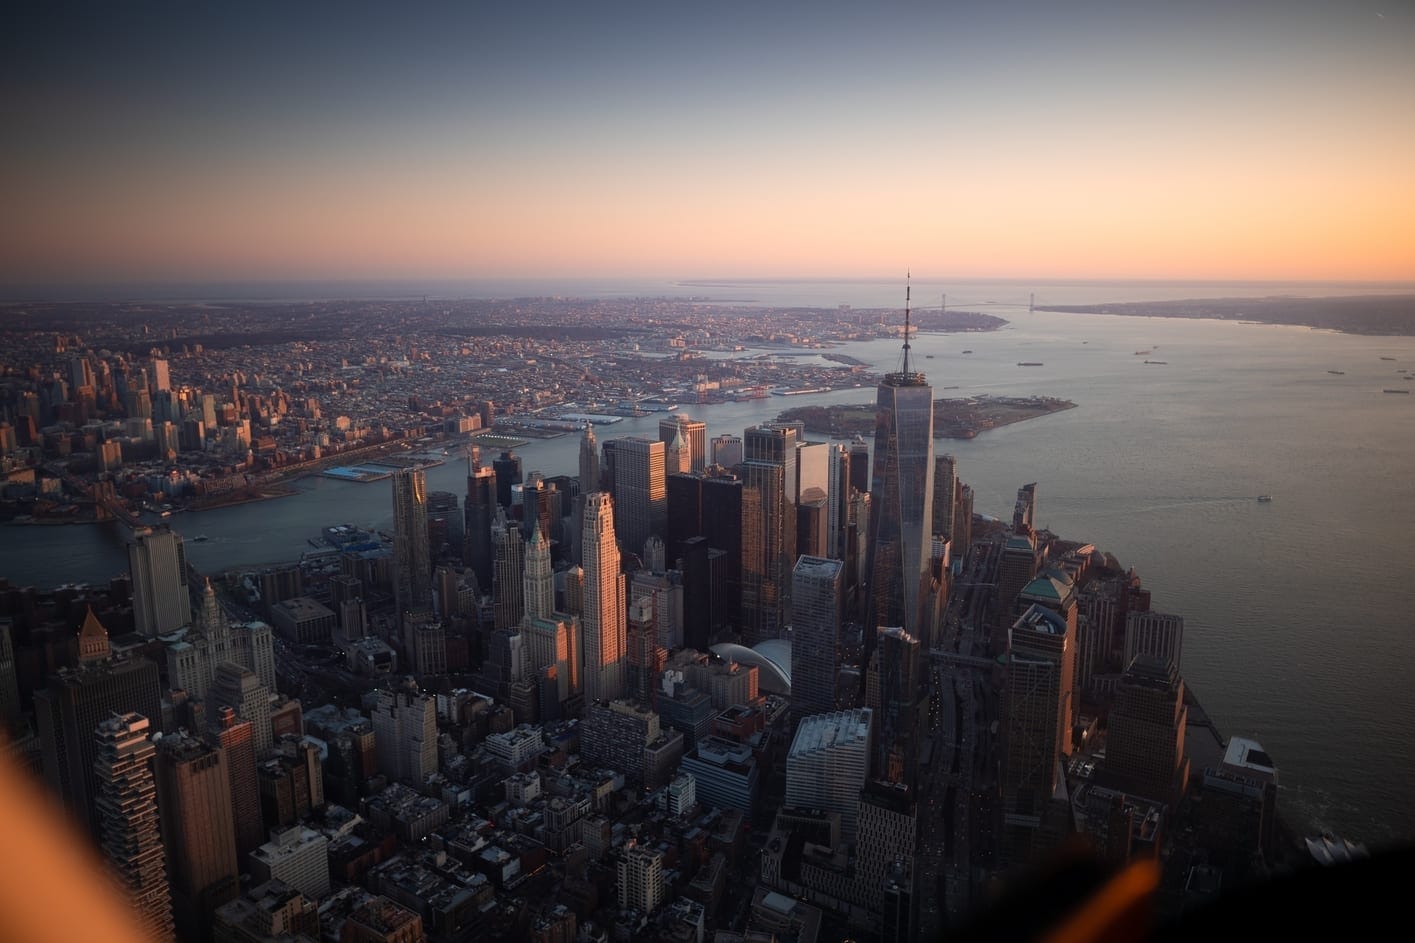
(93, 640)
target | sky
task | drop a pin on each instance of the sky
(192, 141)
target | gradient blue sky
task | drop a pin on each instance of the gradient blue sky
(1202, 139)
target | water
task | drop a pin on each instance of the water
(1296, 611)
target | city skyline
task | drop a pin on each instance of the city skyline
(1218, 141)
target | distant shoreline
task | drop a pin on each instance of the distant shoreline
(1371, 315)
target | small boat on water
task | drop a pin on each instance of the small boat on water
(1387, 358)
(1337, 373)
(1030, 363)
(1162, 363)
(1406, 392)
(200, 539)
(1265, 499)
(1143, 353)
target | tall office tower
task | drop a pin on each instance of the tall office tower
(1017, 568)
(479, 511)
(509, 576)
(1155, 634)
(963, 519)
(425, 642)
(640, 490)
(812, 468)
(9, 683)
(887, 837)
(538, 584)
(158, 563)
(1145, 743)
(549, 642)
(508, 473)
(727, 450)
(655, 556)
(194, 802)
(899, 698)
(645, 653)
(857, 553)
(444, 522)
(860, 464)
(126, 805)
(901, 495)
(640, 879)
(768, 530)
(694, 433)
(1038, 695)
(817, 601)
(838, 496)
(812, 512)
(234, 737)
(76, 700)
(722, 526)
(945, 493)
(237, 687)
(828, 765)
(677, 457)
(161, 376)
(405, 734)
(575, 590)
(589, 461)
(536, 500)
(1024, 512)
(699, 605)
(80, 372)
(605, 609)
(685, 511)
(412, 561)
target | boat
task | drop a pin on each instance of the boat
(200, 539)
(1406, 392)
(1265, 499)
(928, 356)
(1162, 363)
(1337, 373)
(1143, 353)
(1030, 363)
(1387, 358)
(967, 351)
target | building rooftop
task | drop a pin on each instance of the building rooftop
(835, 729)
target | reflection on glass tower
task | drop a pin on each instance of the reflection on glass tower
(901, 495)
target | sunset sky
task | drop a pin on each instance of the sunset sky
(191, 141)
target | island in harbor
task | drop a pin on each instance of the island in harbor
(954, 418)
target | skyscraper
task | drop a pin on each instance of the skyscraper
(241, 689)
(1156, 634)
(768, 529)
(1024, 512)
(945, 484)
(76, 700)
(194, 799)
(605, 609)
(158, 563)
(640, 490)
(234, 736)
(838, 495)
(508, 473)
(677, 457)
(897, 692)
(479, 511)
(412, 560)
(901, 496)
(815, 644)
(1040, 669)
(405, 734)
(128, 819)
(694, 434)
(1145, 738)
(538, 583)
(509, 569)
(828, 764)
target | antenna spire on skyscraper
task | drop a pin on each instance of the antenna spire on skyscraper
(907, 286)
